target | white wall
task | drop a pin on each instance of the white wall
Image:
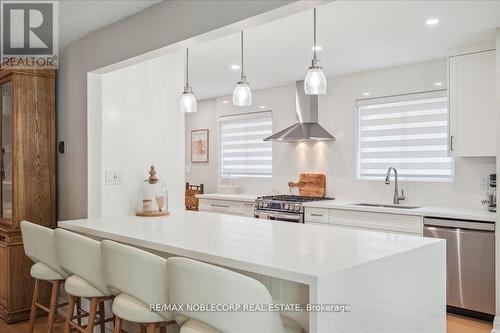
(142, 126)
(166, 27)
(338, 159)
(205, 118)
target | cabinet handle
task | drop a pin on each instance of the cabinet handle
(222, 206)
(313, 214)
(451, 142)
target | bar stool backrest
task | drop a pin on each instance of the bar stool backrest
(81, 256)
(40, 245)
(193, 282)
(137, 273)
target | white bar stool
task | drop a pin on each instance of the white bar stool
(39, 246)
(194, 282)
(81, 257)
(140, 278)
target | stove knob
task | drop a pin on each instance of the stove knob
(297, 208)
(266, 204)
(261, 204)
(287, 206)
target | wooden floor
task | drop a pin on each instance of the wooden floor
(456, 324)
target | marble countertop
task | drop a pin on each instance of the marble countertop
(293, 251)
(426, 211)
(229, 196)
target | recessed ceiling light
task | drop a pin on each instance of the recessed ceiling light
(366, 93)
(235, 67)
(432, 21)
(262, 107)
(438, 84)
(317, 48)
(225, 102)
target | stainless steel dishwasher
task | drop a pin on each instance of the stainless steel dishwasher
(470, 264)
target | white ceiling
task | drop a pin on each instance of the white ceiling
(78, 18)
(355, 36)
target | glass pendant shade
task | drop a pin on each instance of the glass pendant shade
(188, 102)
(315, 82)
(242, 95)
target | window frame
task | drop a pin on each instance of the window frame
(220, 156)
(401, 98)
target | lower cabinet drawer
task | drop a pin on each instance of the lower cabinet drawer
(405, 224)
(318, 215)
(227, 207)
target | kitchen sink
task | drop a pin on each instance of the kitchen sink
(385, 205)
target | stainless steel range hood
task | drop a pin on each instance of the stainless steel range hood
(307, 128)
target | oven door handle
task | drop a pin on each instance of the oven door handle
(295, 217)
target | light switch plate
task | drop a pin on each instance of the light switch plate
(114, 177)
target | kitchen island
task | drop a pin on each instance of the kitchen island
(392, 283)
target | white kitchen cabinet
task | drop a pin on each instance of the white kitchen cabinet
(243, 208)
(395, 223)
(316, 215)
(472, 104)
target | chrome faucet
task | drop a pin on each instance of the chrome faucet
(397, 197)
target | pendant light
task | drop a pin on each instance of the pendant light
(188, 101)
(242, 95)
(315, 82)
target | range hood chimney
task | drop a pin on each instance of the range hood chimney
(307, 127)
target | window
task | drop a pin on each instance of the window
(243, 153)
(407, 132)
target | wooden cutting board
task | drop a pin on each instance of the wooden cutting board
(311, 184)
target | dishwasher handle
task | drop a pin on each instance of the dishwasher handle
(463, 224)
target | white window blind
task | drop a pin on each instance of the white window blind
(243, 153)
(408, 132)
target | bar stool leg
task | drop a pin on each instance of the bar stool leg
(117, 325)
(53, 305)
(79, 310)
(152, 327)
(69, 313)
(33, 306)
(102, 317)
(92, 314)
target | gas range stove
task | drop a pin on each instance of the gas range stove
(283, 207)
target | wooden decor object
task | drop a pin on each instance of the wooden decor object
(190, 200)
(310, 184)
(28, 182)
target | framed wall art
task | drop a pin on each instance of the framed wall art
(199, 146)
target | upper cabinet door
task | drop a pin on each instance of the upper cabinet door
(472, 104)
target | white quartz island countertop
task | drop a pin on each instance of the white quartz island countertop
(377, 273)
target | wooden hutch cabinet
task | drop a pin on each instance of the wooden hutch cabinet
(28, 178)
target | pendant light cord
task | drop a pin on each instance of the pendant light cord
(242, 72)
(187, 68)
(314, 38)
